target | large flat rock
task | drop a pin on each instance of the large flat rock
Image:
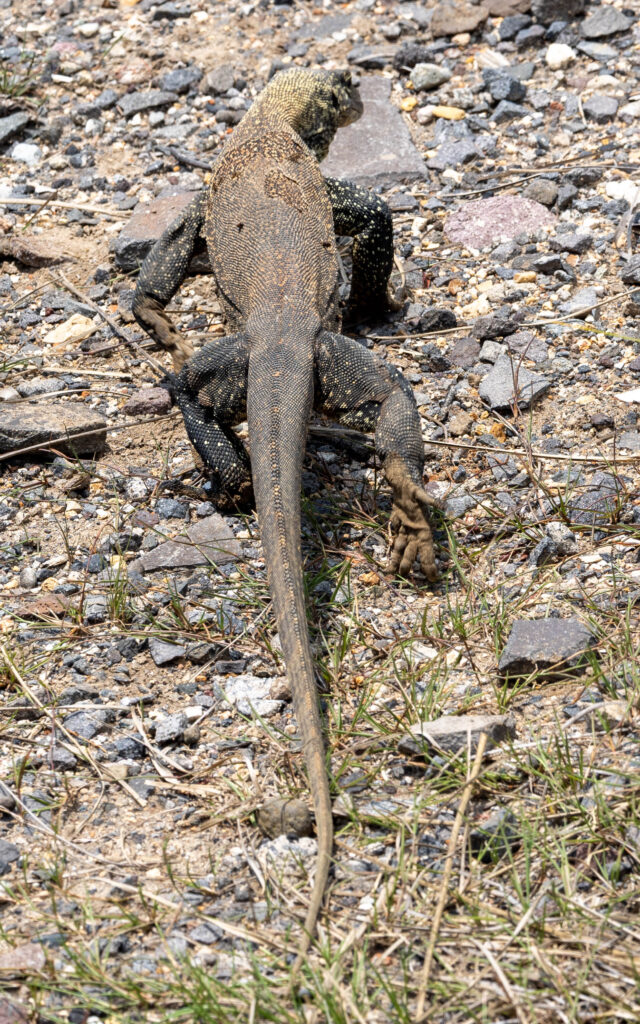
(27, 423)
(377, 149)
(145, 226)
(209, 542)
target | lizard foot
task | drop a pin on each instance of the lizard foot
(409, 524)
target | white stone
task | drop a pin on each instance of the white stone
(631, 109)
(559, 55)
(26, 153)
(88, 29)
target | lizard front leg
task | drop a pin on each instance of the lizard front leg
(161, 274)
(211, 393)
(361, 391)
(366, 217)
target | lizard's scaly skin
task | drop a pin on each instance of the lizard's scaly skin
(272, 248)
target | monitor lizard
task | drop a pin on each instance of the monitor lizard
(269, 227)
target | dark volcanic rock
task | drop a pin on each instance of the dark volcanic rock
(27, 424)
(544, 645)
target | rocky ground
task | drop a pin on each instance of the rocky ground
(144, 713)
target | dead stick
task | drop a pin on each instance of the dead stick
(19, 201)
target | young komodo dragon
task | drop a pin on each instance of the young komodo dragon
(272, 248)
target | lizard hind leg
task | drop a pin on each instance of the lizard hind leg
(362, 391)
(211, 393)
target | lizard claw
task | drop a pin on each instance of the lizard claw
(410, 526)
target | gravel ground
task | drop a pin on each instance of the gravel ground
(144, 715)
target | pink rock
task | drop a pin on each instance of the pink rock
(148, 400)
(485, 222)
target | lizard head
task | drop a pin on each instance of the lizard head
(315, 102)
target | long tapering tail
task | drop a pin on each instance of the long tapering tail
(280, 399)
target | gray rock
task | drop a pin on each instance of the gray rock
(9, 854)
(630, 439)
(38, 386)
(563, 538)
(172, 728)
(600, 108)
(149, 99)
(455, 734)
(581, 303)
(464, 352)
(599, 503)
(29, 424)
(548, 11)
(490, 351)
(12, 125)
(599, 51)
(526, 345)
(605, 21)
(567, 192)
(171, 508)
(548, 646)
(208, 542)
(164, 653)
(96, 609)
(218, 80)
(170, 11)
(428, 76)
(506, 111)
(530, 37)
(451, 17)
(453, 154)
(88, 724)
(61, 759)
(180, 80)
(572, 241)
(206, 934)
(498, 835)
(483, 222)
(156, 401)
(144, 228)
(541, 191)
(630, 273)
(508, 380)
(511, 25)
(251, 695)
(377, 149)
(502, 85)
